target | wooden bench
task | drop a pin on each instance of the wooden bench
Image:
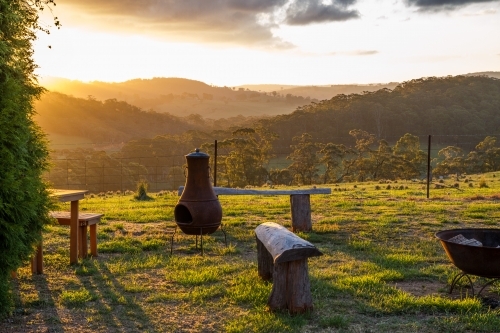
(282, 257)
(300, 202)
(84, 220)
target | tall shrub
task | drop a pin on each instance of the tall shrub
(24, 199)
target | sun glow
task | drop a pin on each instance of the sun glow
(378, 47)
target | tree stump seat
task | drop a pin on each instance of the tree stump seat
(282, 258)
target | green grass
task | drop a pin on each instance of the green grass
(72, 298)
(382, 269)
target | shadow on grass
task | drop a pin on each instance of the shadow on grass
(43, 305)
(112, 301)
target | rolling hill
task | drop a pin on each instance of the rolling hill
(447, 107)
(181, 97)
(70, 121)
(459, 110)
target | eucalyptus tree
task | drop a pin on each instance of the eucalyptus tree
(243, 157)
(382, 162)
(305, 159)
(452, 161)
(332, 157)
(488, 155)
(411, 158)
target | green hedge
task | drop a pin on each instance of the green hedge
(24, 199)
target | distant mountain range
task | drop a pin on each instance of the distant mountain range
(462, 105)
(496, 75)
(182, 97)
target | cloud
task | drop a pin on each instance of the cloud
(353, 53)
(443, 5)
(364, 52)
(483, 12)
(313, 11)
(228, 21)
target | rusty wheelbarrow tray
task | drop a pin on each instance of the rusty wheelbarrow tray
(482, 261)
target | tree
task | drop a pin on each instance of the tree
(280, 177)
(332, 156)
(361, 164)
(453, 161)
(488, 155)
(304, 159)
(246, 152)
(412, 158)
(24, 197)
(382, 162)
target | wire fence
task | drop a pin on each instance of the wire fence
(111, 172)
(117, 174)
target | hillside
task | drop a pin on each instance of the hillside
(495, 75)
(182, 97)
(74, 121)
(449, 108)
(322, 92)
(327, 92)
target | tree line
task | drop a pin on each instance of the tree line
(245, 156)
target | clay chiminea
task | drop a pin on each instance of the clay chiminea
(198, 211)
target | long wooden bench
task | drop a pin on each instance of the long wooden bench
(84, 220)
(282, 258)
(300, 202)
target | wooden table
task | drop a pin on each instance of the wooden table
(75, 243)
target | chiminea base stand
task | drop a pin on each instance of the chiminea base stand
(201, 239)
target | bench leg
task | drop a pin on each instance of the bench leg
(93, 240)
(83, 252)
(291, 288)
(300, 205)
(73, 238)
(37, 260)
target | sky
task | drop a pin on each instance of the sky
(299, 42)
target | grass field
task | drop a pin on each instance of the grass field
(382, 269)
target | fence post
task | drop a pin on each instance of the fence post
(428, 165)
(67, 174)
(215, 164)
(121, 175)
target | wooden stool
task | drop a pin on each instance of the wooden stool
(84, 220)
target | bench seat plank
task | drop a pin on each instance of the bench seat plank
(284, 245)
(241, 191)
(64, 218)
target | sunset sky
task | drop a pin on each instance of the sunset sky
(303, 42)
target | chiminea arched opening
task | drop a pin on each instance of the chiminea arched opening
(182, 214)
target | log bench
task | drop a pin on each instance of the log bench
(300, 202)
(84, 220)
(282, 258)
